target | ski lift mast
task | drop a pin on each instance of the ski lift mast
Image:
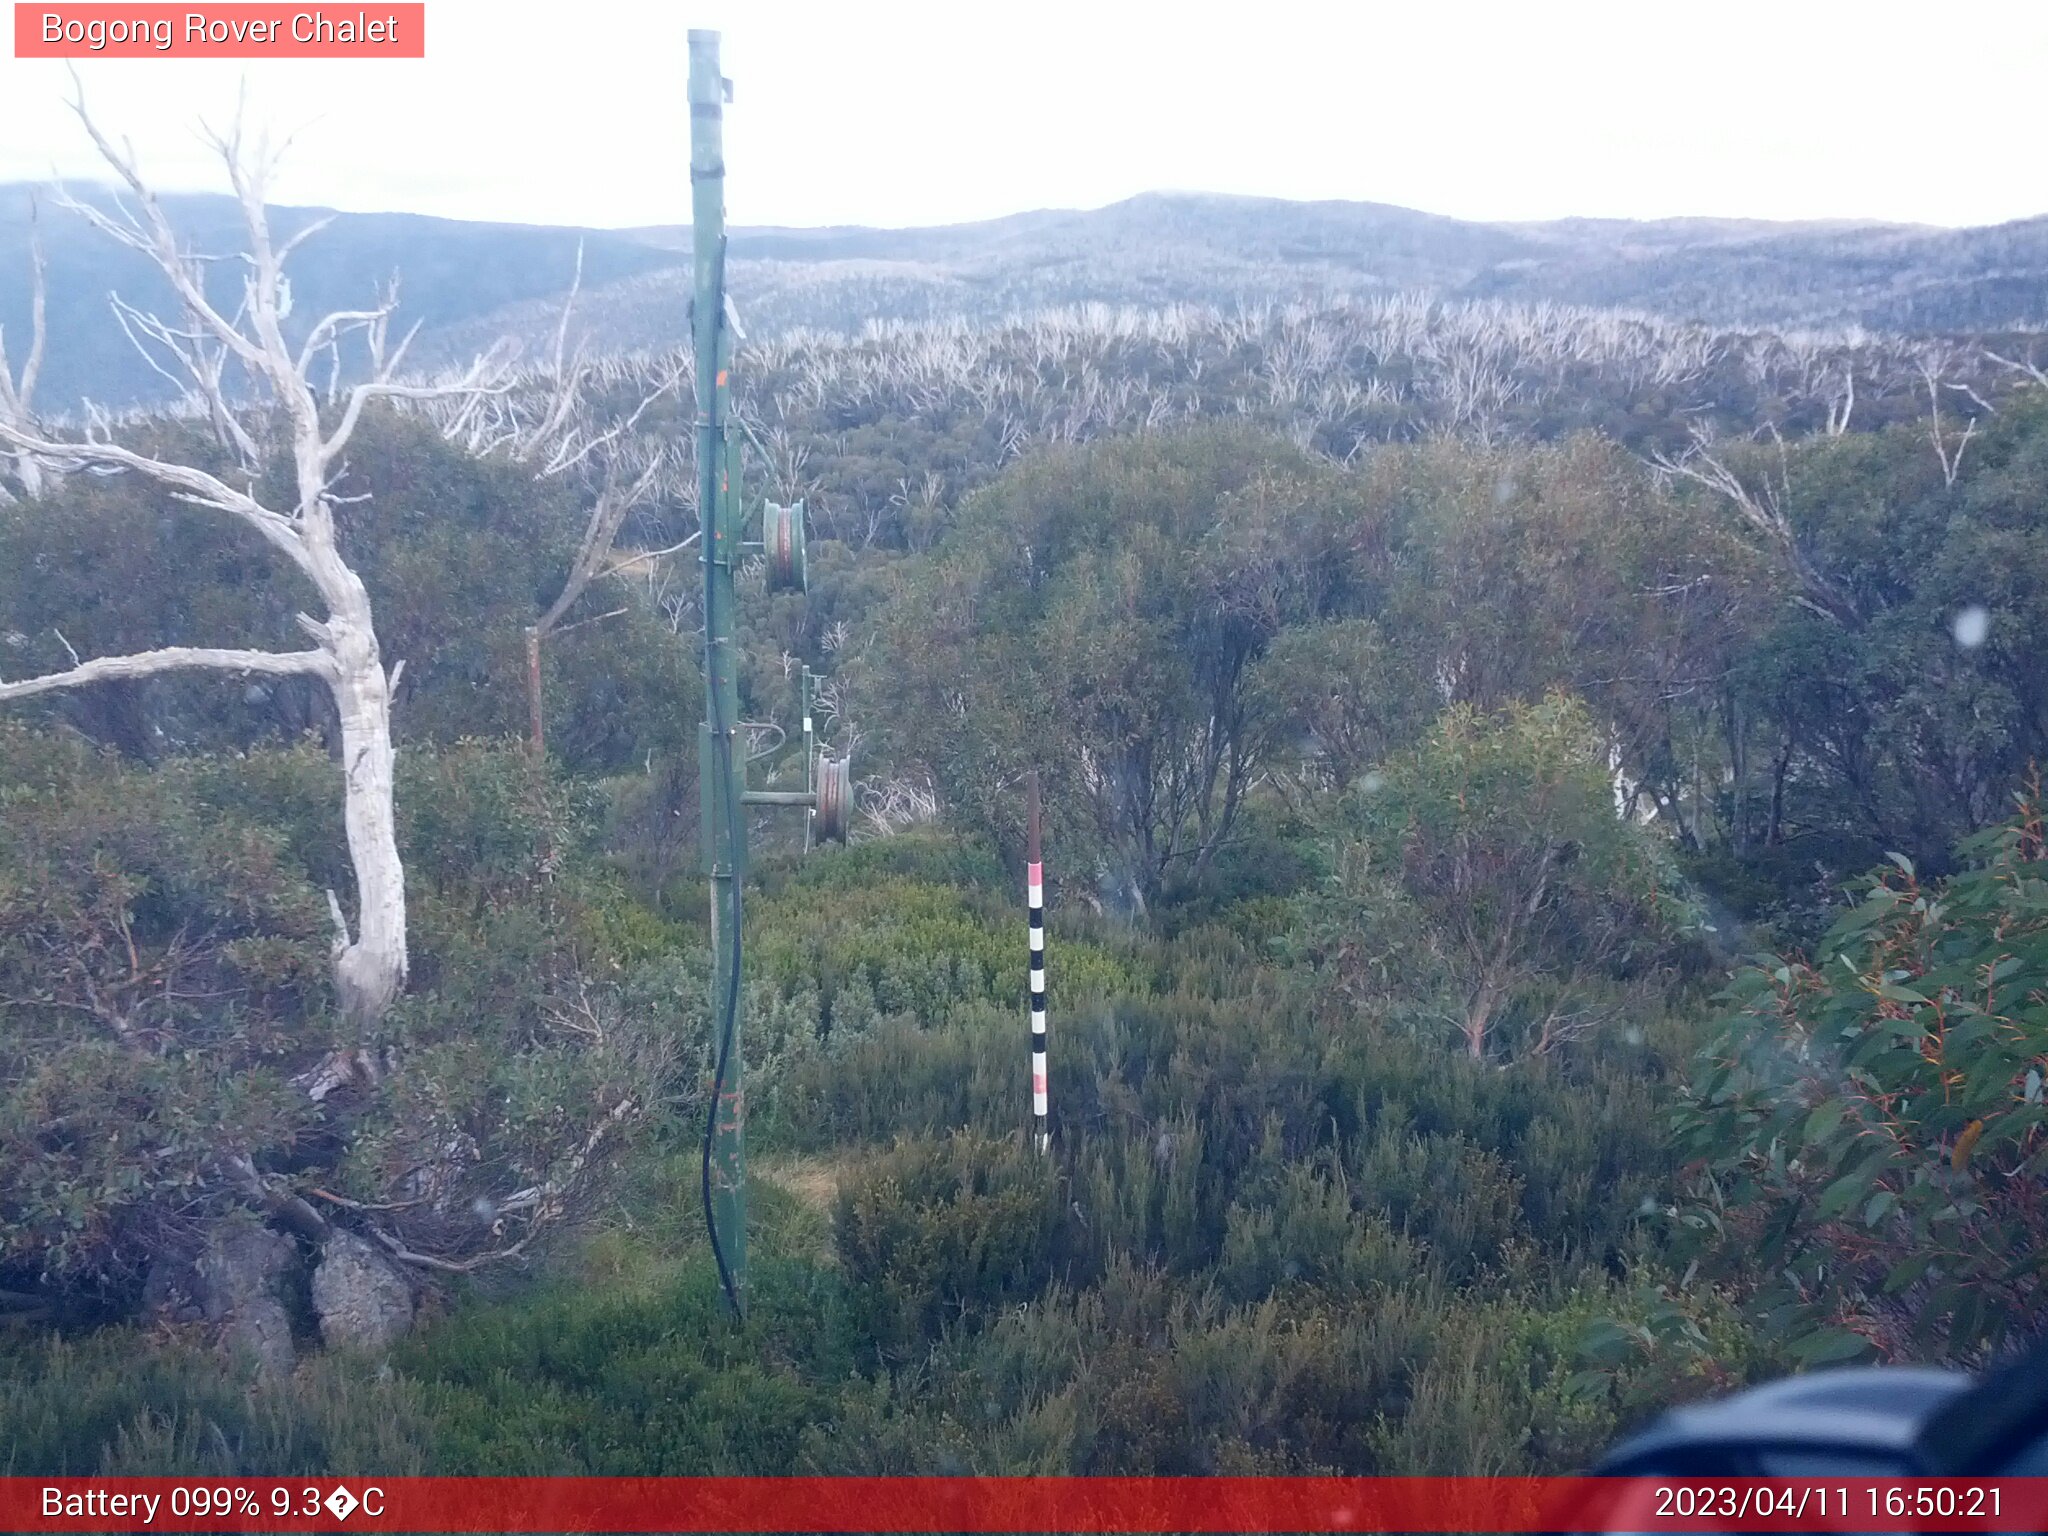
(721, 757)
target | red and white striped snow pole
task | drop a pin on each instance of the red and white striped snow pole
(1034, 896)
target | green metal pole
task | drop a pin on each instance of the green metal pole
(721, 761)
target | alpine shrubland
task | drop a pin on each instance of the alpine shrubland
(1467, 735)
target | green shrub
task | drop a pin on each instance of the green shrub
(946, 1234)
(118, 1404)
(1868, 1129)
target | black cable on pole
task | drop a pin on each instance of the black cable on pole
(727, 1026)
(721, 736)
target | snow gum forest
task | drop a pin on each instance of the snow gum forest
(1543, 827)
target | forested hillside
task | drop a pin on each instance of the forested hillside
(1547, 906)
(472, 286)
(1186, 248)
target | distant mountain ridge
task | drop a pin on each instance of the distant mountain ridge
(471, 283)
(449, 272)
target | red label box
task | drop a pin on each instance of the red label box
(234, 31)
(1107, 1506)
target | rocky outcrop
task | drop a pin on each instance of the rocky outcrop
(361, 1300)
(238, 1283)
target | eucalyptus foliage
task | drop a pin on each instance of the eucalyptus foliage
(1869, 1130)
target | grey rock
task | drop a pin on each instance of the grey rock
(362, 1301)
(239, 1284)
(170, 1292)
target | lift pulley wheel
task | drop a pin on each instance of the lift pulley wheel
(782, 540)
(834, 812)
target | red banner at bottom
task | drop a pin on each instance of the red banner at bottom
(1021, 1504)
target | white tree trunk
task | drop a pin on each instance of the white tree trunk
(370, 970)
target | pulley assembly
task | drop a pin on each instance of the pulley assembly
(828, 783)
(834, 810)
(782, 541)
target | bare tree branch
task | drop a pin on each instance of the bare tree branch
(174, 658)
(542, 1204)
(655, 554)
(2026, 367)
(189, 484)
(1761, 502)
(614, 501)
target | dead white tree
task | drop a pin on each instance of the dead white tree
(1932, 365)
(1842, 403)
(17, 394)
(888, 805)
(616, 497)
(563, 439)
(370, 963)
(1761, 500)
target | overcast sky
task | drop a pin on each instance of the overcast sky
(878, 112)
